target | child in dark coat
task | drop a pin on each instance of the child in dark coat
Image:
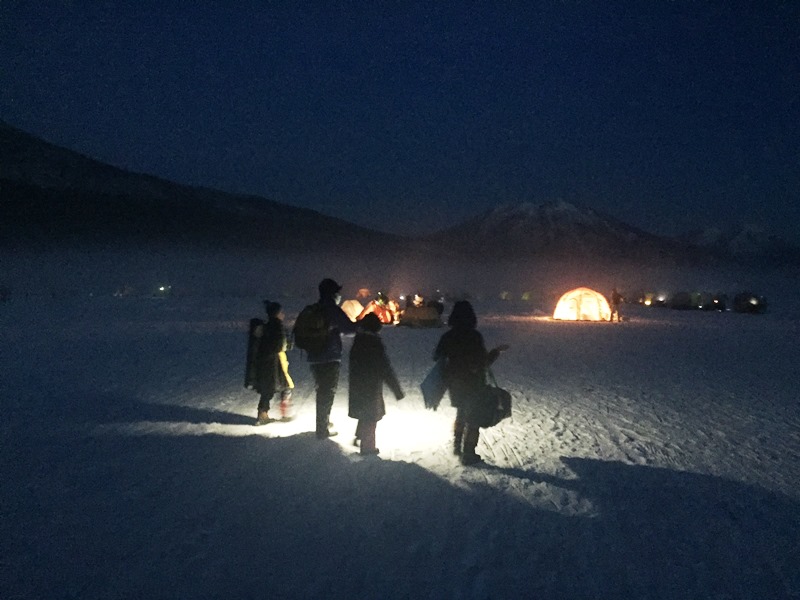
(369, 370)
(273, 366)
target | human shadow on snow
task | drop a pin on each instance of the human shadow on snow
(203, 516)
(685, 531)
(103, 408)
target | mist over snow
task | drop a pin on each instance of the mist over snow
(654, 458)
(81, 272)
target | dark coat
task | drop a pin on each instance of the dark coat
(465, 365)
(270, 375)
(339, 324)
(369, 370)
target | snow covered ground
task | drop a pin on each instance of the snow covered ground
(656, 458)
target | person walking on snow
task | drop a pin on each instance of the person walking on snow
(272, 365)
(466, 362)
(325, 364)
(369, 370)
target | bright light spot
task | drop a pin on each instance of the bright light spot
(413, 431)
(407, 433)
(648, 302)
(753, 301)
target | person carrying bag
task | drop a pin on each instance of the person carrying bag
(467, 360)
(493, 405)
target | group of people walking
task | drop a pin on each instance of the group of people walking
(462, 349)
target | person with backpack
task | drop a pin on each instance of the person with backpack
(466, 363)
(369, 370)
(272, 366)
(318, 330)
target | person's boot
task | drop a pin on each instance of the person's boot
(325, 429)
(367, 435)
(285, 405)
(469, 457)
(263, 418)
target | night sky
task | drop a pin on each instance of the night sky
(409, 117)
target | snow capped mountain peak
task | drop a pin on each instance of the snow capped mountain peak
(555, 227)
(561, 206)
(528, 215)
(530, 209)
(749, 240)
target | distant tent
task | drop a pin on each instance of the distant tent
(385, 312)
(748, 302)
(352, 308)
(582, 304)
(421, 316)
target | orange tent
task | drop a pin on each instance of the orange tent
(384, 313)
(582, 304)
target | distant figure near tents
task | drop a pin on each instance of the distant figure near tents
(582, 304)
(616, 300)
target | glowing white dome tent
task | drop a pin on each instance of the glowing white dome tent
(582, 304)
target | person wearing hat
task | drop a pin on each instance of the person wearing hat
(326, 363)
(272, 365)
(369, 370)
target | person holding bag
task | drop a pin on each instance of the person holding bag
(465, 363)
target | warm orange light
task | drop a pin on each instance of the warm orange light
(582, 304)
(384, 313)
(352, 308)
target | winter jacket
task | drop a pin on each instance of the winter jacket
(338, 324)
(369, 370)
(271, 374)
(466, 364)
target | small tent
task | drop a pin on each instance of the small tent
(385, 312)
(582, 304)
(352, 308)
(421, 316)
(747, 302)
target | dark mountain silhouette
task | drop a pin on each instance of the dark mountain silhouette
(744, 244)
(50, 195)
